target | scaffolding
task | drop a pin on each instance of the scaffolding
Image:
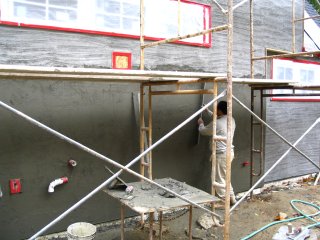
(152, 79)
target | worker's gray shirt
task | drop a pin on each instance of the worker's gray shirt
(221, 132)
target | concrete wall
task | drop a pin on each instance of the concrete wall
(102, 117)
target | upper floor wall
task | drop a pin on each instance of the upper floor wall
(272, 29)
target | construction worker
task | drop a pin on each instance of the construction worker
(221, 148)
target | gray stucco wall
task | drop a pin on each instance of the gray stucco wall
(102, 117)
(291, 120)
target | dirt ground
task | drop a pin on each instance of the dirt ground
(249, 216)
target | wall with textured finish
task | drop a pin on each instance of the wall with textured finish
(102, 117)
(292, 120)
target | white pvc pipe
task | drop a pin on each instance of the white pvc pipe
(56, 182)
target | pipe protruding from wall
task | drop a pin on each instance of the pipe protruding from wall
(57, 182)
(72, 163)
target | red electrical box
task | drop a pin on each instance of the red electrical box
(15, 186)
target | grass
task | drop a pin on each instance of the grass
(315, 4)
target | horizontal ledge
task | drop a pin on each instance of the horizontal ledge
(290, 87)
(292, 95)
(20, 72)
(179, 82)
(256, 81)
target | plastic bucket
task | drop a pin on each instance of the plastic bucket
(81, 231)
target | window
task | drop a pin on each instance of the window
(305, 73)
(112, 17)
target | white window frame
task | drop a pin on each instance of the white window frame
(194, 17)
(296, 67)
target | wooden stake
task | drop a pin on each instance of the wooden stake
(151, 218)
(122, 220)
(160, 228)
(190, 222)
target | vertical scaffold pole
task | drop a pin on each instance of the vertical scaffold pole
(229, 120)
(251, 42)
(142, 129)
(252, 91)
(293, 26)
(150, 132)
(214, 143)
(141, 34)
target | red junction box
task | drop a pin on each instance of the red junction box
(15, 186)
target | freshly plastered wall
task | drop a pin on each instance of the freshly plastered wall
(102, 117)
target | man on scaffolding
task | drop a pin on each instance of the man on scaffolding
(221, 148)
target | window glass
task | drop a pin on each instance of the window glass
(64, 3)
(62, 15)
(34, 1)
(113, 16)
(28, 11)
(132, 10)
(304, 73)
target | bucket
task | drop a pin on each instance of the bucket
(81, 231)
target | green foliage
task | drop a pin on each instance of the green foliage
(315, 4)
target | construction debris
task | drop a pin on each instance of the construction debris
(197, 233)
(281, 216)
(205, 221)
